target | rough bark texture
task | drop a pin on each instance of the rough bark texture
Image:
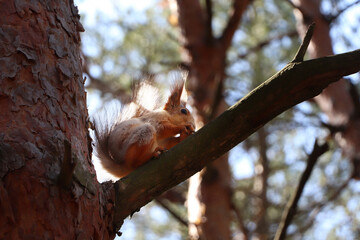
(336, 101)
(43, 128)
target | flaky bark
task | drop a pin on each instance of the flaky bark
(336, 101)
(48, 188)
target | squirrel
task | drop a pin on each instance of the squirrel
(143, 132)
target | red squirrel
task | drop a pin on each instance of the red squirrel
(142, 133)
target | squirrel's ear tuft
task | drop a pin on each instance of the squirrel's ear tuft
(174, 98)
(146, 95)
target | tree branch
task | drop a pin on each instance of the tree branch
(334, 17)
(296, 7)
(291, 207)
(240, 221)
(307, 18)
(209, 17)
(299, 57)
(317, 208)
(293, 84)
(102, 86)
(238, 8)
(174, 196)
(171, 212)
(191, 22)
(266, 42)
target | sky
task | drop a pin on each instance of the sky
(92, 7)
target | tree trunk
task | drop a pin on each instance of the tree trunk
(337, 101)
(48, 187)
(209, 198)
(212, 184)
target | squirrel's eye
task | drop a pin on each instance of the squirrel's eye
(184, 111)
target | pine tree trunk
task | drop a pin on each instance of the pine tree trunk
(48, 186)
(209, 198)
(337, 101)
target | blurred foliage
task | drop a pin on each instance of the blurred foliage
(128, 48)
(133, 45)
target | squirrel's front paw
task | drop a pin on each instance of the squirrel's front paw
(159, 150)
(189, 129)
(186, 131)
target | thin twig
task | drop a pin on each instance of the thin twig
(100, 85)
(333, 128)
(316, 209)
(172, 213)
(296, 6)
(247, 191)
(292, 4)
(174, 195)
(334, 17)
(217, 100)
(291, 206)
(238, 9)
(240, 221)
(209, 14)
(266, 42)
(307, 18)
(299, 57)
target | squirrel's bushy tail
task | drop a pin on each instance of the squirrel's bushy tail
(102, 135)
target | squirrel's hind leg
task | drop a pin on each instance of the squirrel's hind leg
(141, 150)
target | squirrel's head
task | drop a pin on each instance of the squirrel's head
(176, 107)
